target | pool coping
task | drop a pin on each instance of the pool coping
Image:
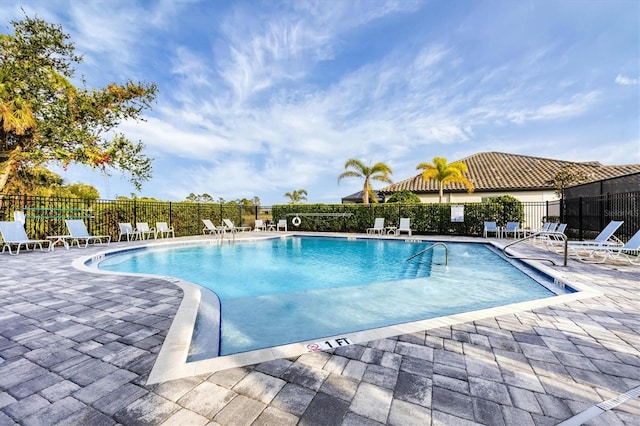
(172, 360)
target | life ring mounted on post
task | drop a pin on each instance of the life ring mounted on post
(296, 221)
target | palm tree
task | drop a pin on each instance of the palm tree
(296, 196)
(379, 171)
(445, 173)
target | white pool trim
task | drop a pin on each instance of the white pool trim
(171, 362)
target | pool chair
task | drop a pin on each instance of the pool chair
(490, 227)
(78, 233)
(604, 238)
(126, 230)
(232, 228)
(405, 226)
(163, 230)
(282, 224)
(144, 232)
(542, 238)
(210, 228)
(378, 226)
(19, 216)
(552, 238)
(13, 234)
(630, 252)
(259, 225)
(511, 228)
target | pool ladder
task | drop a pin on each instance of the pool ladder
(537, 234)
(431, 247)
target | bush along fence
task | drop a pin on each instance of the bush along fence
(585, 216)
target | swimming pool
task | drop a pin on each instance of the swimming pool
(285, 290)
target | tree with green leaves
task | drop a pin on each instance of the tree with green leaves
(566, 177)
(81, 190)
(379, 172)
(296, 196)
(200, 198)
(44, 118)
(444, 173)
(404, 196)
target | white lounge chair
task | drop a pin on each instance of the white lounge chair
(210, 228)
(78, 232)
(232, 228)
(163, 230)
(259, 225)
(126, 230)
(604, 237)
(13, 234)
(19, 216)
(144, 232)
(282, 224)
(630, 251)
(378, 226)
(543, 231)
(552, 238)
(405, 226)
(511, 228)
(490, 227)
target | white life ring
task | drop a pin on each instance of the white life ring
(296, 221)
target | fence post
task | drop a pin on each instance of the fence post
(580, 228)
(546, 210)
(607, 209)
(135, 211)
(170, 214)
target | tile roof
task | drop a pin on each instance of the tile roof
(491, 171)
(356, 197)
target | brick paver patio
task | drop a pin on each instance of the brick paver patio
(76, 348)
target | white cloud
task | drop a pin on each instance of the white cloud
(626, 81)
(268, 99)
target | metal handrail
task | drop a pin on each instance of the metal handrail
(446, 252)
(534, 235)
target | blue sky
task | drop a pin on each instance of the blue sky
(260, 98)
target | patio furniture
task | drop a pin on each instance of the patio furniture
(378, 226)
(210, 228)
(144, 232)
(13, 234)
(126, 230)
(232, 228)
(511, 228)
(78, 232)
(405, 226)
(490, 227)
(163, 230)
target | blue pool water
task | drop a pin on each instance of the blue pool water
(279, 291)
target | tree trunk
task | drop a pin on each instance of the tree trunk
(365, 192)
(9, 167)
(440, 185)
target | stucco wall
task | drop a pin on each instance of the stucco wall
(477, 197)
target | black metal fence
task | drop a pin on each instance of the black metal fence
(585, 216)
(46, 215)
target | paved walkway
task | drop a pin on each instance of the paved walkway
(76, 348)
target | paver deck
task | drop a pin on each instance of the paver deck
(77, 348)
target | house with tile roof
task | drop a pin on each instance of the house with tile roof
(529, 179)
